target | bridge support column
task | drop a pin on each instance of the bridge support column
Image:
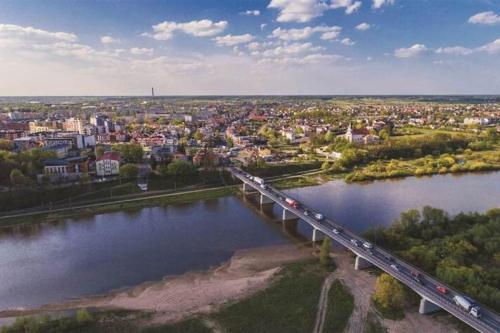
(427, 306)
(264, 200)
(288, 215)
(315, 235)
(361, 263)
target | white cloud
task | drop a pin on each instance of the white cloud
(141, 51)
(363, 26)
(350, 6)
(488, 18)
(289, 49)
(353, 8)
(410, 52)
(380, 3)
(202, 28)
(347, 41)
(327, 33)
(455, 50)
(262, 26)
(491, 48)
(298, 10)
(254, 12)
(231, 40)
(16, 32)
(42, 44)
(311, 59)
(109, 40)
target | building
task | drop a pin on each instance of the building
(66, 166)
(73, 125)
(108, 164)
(356, 136)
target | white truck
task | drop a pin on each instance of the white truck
(258, 180)
(467, 305)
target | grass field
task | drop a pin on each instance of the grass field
(340, 307)
(288, 305)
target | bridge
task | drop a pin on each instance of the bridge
(433, 297)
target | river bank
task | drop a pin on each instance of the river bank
(124, 205)
(246, 294)
(175, 298)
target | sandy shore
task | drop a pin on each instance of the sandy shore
(178, 297)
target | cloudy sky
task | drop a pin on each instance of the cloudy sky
(204, 47)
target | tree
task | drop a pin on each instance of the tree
(17, 178)
(326, 165)
(384, 134)
(198, 136)
(130, 152)
(99, 151)
(181, 170)
(389, 293)
(83, 316)
(324, 252)
(6, 144)
(129, 171)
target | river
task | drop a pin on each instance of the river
(53, 262)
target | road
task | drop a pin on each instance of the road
(425, 285)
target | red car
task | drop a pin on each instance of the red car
(442, 290)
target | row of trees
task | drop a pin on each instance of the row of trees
(463, 251)
(28, 163)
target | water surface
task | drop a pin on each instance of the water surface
(48, 263)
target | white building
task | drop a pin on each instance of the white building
(108, 164)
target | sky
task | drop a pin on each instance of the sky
(249, 47)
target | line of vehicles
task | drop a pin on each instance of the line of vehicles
(463, 302)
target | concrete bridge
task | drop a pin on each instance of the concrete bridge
(366, 256)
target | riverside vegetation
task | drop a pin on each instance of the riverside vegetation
(462, 251)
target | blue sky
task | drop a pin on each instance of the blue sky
(70, 47)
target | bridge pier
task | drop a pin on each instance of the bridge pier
(265, 200)
(315, 235)
(361, 263)
(427, 306)
(288, 215)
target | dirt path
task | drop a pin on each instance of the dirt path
(362, 286)
(323, 304)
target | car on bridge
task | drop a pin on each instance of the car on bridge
(356, 242)
(337, 231)
(417, 277)
(442, 290)
(395, 267)
(319, 217)
(368, 246)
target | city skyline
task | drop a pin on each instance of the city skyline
(262, 47)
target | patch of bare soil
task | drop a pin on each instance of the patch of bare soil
(362, 286)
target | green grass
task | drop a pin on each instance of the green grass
(339, 310)
(288, 305)
(193, 325)
(373, 325)
(296, 182)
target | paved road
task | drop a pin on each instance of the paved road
(425, 285)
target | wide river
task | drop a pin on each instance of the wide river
(53, 262)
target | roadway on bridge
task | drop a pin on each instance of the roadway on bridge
(425, 285)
